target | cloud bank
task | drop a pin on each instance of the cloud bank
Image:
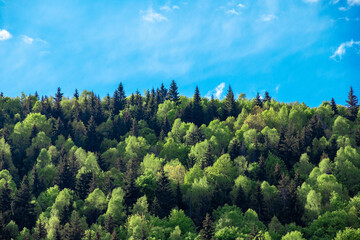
(4, 35)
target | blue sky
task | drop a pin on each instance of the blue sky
(298, 50)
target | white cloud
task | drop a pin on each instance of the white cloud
(353, 2)
(343, 9)
(268, 17)
(241, 5)
(277, 88)
(27, 39)
(217, 92)
(168, 8)
(334, 1)
(341, 50)
(232, 12)
(4, 35)
(151, 16)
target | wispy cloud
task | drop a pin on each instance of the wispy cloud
(168, 8)
(4, 35)
(27, 39)
(277, 88)
(343, 9)
(217, 92)
(151, 16)
(268, 17)
(341, 50)
(353, 2)
(241, 5)
(232, 12)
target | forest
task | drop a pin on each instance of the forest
(160, 165)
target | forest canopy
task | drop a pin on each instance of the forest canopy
(160, 165)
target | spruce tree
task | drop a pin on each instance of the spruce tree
(258, 101)
(207, 231)
(5, 202)
(23, 208)
(179, 197)
(135, 128)
(76, 94)
(132, 192)
(92, 139)
(241, 199)
(4, 232)
(164, 194)
(166, 125)
(208, 158)
(230, 104)
(352, 104)
(119, 99)
(37, 185)
(57, 111)
(40, 231)
(334, 107)
(234, 149)
(197, 109)
(173, 94)
(83, 185)
(65, 177)
(267, 97)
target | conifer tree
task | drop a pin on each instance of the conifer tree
(208, 158)
(109, 224)
(132, 192)
(37, 186)
(76, 94)
(164, 194)
(40, 231)
(258, 101)
(197, 110)
(230, 104)
(65, 178)
(83, 185)
(166, 126)
(135, 128)
(234, 149)
(5, 202)
(334, 107)
(57, 111)
(353, 106)
(92, 139)
(207, 231)
(119, 99)
(4, 232)
(173, 94)
(179, 198)
(23, 208)
(241, 199)
(267, 97)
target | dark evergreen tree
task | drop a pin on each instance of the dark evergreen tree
(267, 97)
(76, 94)
(173, 94)
(179, 197)
(37, 185)
(66, 212)
(132, 192)
(5, 203)
(166, 125)
(261, 169)
(65, 178)
(207, 231)
(4, 232)
(234, 149)
(241, 199)
(211, 112)
(23, 208)
(334, 107)
(165, 195)
(230, 104)
(258, 100)
(197, 109)
(83, 185)
(135, 128)
(208, 158)
(352, 104)
(119, 99)
(92, 139)
(109, 224)
(57, 111)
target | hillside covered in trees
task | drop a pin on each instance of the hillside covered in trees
(164, 166)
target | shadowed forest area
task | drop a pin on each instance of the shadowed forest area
(160, 165)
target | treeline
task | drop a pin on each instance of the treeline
(164, 166)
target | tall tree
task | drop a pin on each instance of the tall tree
(258, 100)
(267, 97)
(352, 104)
(173, 94)
(131, 190)
(334, 107)
(5, 202)
(119, 99)
(57, 111)
(230, 104)
(92, 139)
(76, 94)
(23, 208)
(197, 109)
(165, 195)
(207, 231)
